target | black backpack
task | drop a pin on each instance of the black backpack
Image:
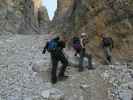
(107, 41)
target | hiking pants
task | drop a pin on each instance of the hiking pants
(83, 54)
(56, 57)
(108, 54)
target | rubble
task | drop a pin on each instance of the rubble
(120, 78)
(17, 79)
(74, 60)
(24, 75)
(53, 94)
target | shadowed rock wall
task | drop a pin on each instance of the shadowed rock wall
(113, 17)
(19, 16)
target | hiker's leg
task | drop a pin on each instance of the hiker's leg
(109, 59)
(106, 54)
(39, 21)
(81, 61)
(89, 57)
(54, 69)
(109, 54)
(64, 62)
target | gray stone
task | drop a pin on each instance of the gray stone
(126, 95)
(84, 86)
(40, 66)
(53, 94)
(130, 85)
(74, 61)
(45, 94)
(28, 98)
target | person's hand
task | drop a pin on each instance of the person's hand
(43, 52)
(75, 54)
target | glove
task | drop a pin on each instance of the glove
(44, 50)
(75, 54)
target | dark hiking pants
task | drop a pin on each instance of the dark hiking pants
(83, 54)
(108, 54)
(59, 56)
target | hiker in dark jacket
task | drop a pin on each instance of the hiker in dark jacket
(80, 49)
(107, 45)
(56, 56)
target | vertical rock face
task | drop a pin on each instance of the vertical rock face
(37, 4)
(29, 17)
(44, 12)
(62, 14)
(10, 15)
(64, 9)
(19, 16)
(95, 16)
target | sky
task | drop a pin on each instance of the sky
(51, 6)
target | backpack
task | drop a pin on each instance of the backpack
(107, 41)
(52, 45)
(76, 43)
(62, 44)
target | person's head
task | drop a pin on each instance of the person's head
(101, 34)
(104, 35)
(57, 38)
(83, 35)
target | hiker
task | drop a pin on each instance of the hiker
(79, 45)
(107, 45)
(55, 48)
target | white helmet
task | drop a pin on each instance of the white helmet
(83, 34)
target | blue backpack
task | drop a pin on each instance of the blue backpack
(52, 45)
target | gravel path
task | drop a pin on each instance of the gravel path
(25, 73)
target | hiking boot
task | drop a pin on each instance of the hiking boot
(90, 68)
(81, 70)
(53, 81)
(62, 78)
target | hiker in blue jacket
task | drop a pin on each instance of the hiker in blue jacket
(55, 48)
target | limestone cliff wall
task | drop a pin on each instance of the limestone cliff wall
(19, 16)
(113, 17)
(62, 15)
(9, 15)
